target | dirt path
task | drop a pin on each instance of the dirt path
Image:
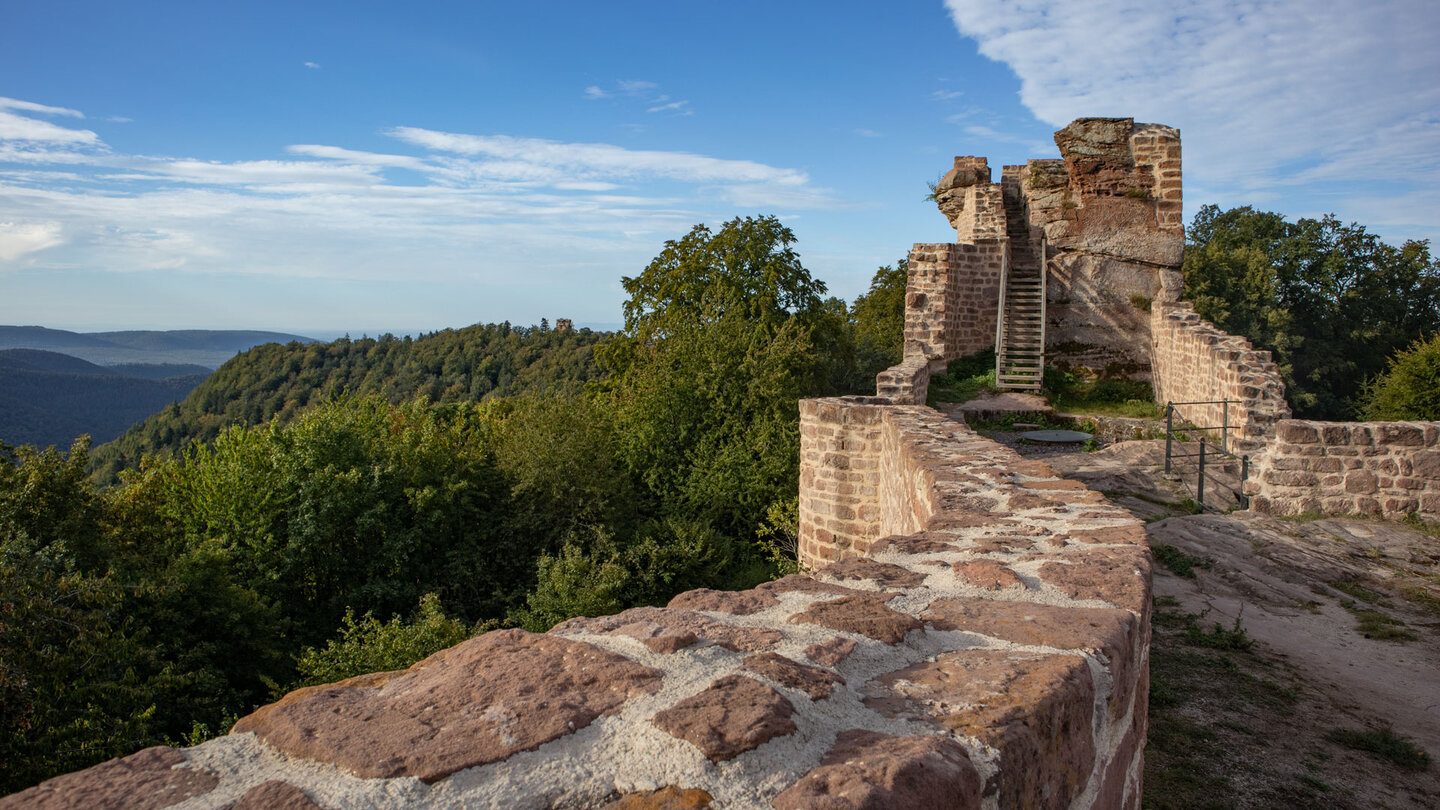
(1279, 647)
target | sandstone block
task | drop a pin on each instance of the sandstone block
(813, 681)
(1036, 710)
(831, 652)
(734, 715)
(1118, 581)
(274, 795)
(150, 779)
(1297, 432)
(866, 770)
(860, 614)
(987, 574)
(667, 630)
(424, 723)
(883, 573)
(1426, 464)
(737, 603)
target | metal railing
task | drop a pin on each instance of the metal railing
(1222, 448)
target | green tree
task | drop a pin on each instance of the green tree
(1410, 386)
(878, 317)
(717, 349)
(1331, 301)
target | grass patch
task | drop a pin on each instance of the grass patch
(1360, 592)
(963, 379)
(1113, 396)
(1379, 626)
(1385, 745)
(1422, 598)
(1179, 563)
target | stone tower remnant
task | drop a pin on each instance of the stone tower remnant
(1059, 263)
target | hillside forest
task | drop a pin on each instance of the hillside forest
(315, 511)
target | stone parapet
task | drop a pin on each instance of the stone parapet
(981, 639)
(1381, 469)
(951, 294)
(1193, 361)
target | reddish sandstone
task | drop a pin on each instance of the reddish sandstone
(146, 780)
(667, 798)
(860, 614)
(734, 715)
(813, 681)
(481, 701)
(874, 771)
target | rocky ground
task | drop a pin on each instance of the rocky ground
(1294, 663)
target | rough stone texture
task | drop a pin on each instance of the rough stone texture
(860, 614)
(883, 573)
(1381, 469)
(670, 630)
(813, 681)
(146, 780)
(670, 798)
(1195, 362)
(878, 772)
(1034, 709)
(480, 701)
(274, 795)
(736, 714)
(986, 574)
(738, 603)
(831, 652)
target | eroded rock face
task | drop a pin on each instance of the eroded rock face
(865, 769)
(813, 681)
(151, 779)
(478, 702)
(669, 798)
(669, 630)
(734, 715)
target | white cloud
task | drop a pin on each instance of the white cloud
(354, 156)
(665, 105)
(645, 91)
(312, 65)
(20, 238)
(594, 160)
(1346, 89)
(43, 109)
(947, 95)
(20, 128)
(868, 133)
(119, 119)
(635, 88)
(594, 91)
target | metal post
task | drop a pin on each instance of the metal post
(1244, 468)
(1225, 426)
(1169, 432)
(1200, 484)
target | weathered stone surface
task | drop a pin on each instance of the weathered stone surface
(865, 770)
(803, 583)
(274, 795)
(831, 652)
(921, 543)
(736, 603)
(813, 681)
(1113, 633)
(480, 701)
(145, 780)
(986, 574)
(1034, 709)
(668, 630)
(667, 798)
(1121, 582)
(859, 614)
(863, 568)
(734, 715)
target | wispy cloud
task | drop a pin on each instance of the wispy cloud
(646, 92)
(459, 203)
(43, 109)
(947, 95)
(312, 65)
(591, 160)
(1346, 88)
(868, 133)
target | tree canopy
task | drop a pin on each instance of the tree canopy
(1330, 301)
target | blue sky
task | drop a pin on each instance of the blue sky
(367, 167)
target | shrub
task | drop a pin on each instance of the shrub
(1410, 386)
(369, 645)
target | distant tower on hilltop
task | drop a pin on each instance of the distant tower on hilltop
(564, 325)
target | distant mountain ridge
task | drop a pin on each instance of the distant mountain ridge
(201, 347)
(279, 381)
(51, 398)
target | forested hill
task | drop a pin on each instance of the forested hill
(205, 347)
(51, 398)
(273, 380)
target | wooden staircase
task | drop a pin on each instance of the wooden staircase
(1020, 332)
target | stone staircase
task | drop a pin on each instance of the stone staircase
(1020, 334)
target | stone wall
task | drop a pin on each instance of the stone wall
(1382, 469)
(1011, 554)
(1193, 361)
(981, 639)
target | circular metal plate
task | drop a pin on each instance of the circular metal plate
(1055, 436)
